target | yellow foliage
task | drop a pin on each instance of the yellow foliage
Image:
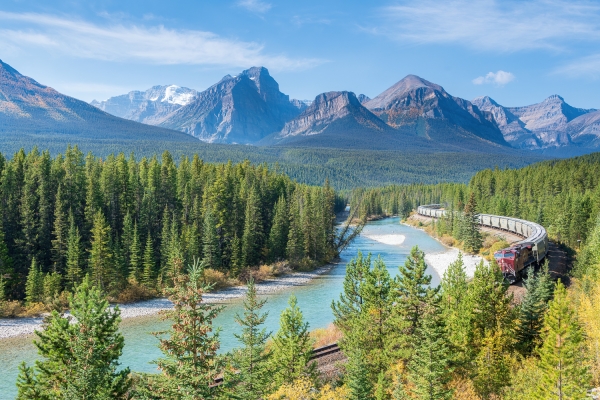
(463, 389)
(523, 378)
(303, 389)
(324, 336)
(589, 316)
(217, 279)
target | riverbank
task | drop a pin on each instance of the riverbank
(13, 327)
(441, 261)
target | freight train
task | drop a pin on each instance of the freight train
(515, 259)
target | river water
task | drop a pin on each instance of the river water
(386, 238)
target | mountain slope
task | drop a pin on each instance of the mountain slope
(427, 109)
(149, 107)
(551, 123)
(29, 108)
(241, 109)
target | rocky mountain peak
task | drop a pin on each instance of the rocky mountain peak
(483, 102)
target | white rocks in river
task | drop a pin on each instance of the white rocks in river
(441, 261)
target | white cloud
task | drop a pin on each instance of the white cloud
(137, 43)
(256, 6)
(587, 66)
(493, 25)
(499, 78)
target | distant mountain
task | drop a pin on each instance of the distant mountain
(550, 124)
(29, 108)
(149, 107)
(427, 109)
(241, 109)
(363, 98)
(333, 119)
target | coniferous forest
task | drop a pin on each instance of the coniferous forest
(122, 221)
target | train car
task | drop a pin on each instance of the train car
(515, 259)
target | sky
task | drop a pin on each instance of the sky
(517, 52)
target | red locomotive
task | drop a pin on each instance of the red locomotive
(513, 260)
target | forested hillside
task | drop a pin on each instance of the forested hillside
(562, 195)
(123, 221)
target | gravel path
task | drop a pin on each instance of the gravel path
(11, 327)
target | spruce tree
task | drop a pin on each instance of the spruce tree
(471, 234)
(79, 357)
(60, 233)
(74, 270)
(252, 236)
(357, 378)
(210, 241)
(429, 369)
(135, 258)
(292, 347)
(252, 377)
(278, 235)
(148, 263)
(34, 287)
(101, 257)
(565, 372)
(295, 244)
(190, 363)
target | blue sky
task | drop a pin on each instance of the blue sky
(517, 52)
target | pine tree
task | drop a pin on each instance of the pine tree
(457, 312)
(278, 235)
(292, 347)
(429, 369)
(471, 234)
(565, 372)
(79, 359)
(60, 232)
(295, 244)
(412, 295)
(74, 271)
(252, 377)
(135, 264)
(34, 287)
(191, 363)
(101, 257)
(148, 263)
(357, 377)
(210, 241)
(252, 236)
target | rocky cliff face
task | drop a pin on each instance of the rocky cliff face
(240, 109)
(413, 101)
(328, 108)
(149, 107)
(550, 124)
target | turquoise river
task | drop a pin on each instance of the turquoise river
(386, 238)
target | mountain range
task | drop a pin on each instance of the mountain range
(28, 108)
(249, 108)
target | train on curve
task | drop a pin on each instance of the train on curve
(515, 259)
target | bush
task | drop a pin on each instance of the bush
(10, 309)
(215, 278)
(495, 247)
(34, 310)
(134, 292)
(448, 240)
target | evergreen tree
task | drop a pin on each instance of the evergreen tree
(429, 369)
(79, 359)
(279, 230)
(101, 257)
(135, 259)
(292, 347)
(457, 312)
(74, 270)
(412, 295)
(531, 311)
(210, 241)
(252, 237)
(190, 363)
(252, 377)
(60, 232)
(565, 372)
(34, 287)
(471, 234)
(357, 378)
(52, 283)
(148, 274)
(295, 244)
